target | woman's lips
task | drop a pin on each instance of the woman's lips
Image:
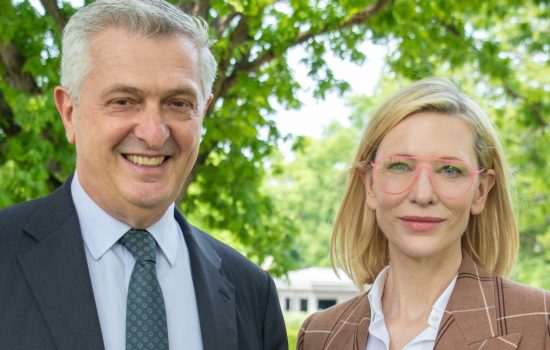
(421, 223)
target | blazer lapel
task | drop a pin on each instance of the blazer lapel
(55, 267)
(362, 318)
(470, 316)
(352, 328)
(215, 294)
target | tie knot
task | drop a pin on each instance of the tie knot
(141, 244)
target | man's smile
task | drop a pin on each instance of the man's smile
(145, 160)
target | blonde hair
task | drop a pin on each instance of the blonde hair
(491, 237)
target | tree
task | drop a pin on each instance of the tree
(308, 188)
(224, 191)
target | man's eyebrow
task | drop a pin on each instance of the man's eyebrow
(122, 88)
(182, 91)
(119, 88)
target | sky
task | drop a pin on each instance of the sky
(315, 114)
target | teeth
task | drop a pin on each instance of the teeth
(146, 161)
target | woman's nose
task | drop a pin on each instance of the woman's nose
(423, 191)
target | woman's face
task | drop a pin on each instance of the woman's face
(421, 222)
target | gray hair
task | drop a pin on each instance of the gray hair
(152, 18)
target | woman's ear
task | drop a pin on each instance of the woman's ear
(486, 183)
(369, 190)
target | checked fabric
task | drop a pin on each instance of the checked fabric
(145, 312)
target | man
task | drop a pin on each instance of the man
(107, 261)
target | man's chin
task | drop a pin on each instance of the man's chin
(143, 212)
(151, 201)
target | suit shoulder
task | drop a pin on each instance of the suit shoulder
(13, 219)
(50, 209)
(16, 215)
(523, 310)
(526, 297)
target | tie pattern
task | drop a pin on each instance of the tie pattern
(145, 311)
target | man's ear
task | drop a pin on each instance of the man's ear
(207, 104)
(486, 183)
(369, 191)
(65, 107)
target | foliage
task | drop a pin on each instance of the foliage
(225, 193)
(293, 322)
(308, 188)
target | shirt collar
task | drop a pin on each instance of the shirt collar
(377, 290)
(377, 327)
(375, 294)
(166, 231)
(100, 231)
(438, 308)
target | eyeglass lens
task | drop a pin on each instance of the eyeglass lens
(450, 178)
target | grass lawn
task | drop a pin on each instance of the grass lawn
(293, 322)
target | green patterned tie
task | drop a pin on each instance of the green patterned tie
(145, 312)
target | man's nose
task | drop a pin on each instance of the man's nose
(423, 191)
(151, 128)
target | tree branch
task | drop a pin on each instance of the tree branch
(201, 8)
(186, 6)
(269, 55)
(237, 37)
(13, 62)
(534, 108)
(221, 24)
(7, 123)
(359, 18)
(52, 10)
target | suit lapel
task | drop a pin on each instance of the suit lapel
(350, 330)
(215, 294)
(470, 316)
(55, 268)
(363, 319)
(57, 273)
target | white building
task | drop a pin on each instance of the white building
(312, 289)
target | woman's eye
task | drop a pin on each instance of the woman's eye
(450, 170)
(398, 166)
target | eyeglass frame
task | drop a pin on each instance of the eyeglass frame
(475, 173)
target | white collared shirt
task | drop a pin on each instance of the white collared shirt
(110, 266)
(379, 338)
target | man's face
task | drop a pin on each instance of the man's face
(137, 124)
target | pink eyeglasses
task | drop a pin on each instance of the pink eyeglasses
(451, 178)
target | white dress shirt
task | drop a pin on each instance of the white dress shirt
(110, 266)
(379, 338)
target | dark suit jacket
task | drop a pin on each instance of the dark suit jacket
(484, 312)
(46, 297)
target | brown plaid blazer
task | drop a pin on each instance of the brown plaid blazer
(484, 312)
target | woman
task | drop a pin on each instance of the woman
(427, 220)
